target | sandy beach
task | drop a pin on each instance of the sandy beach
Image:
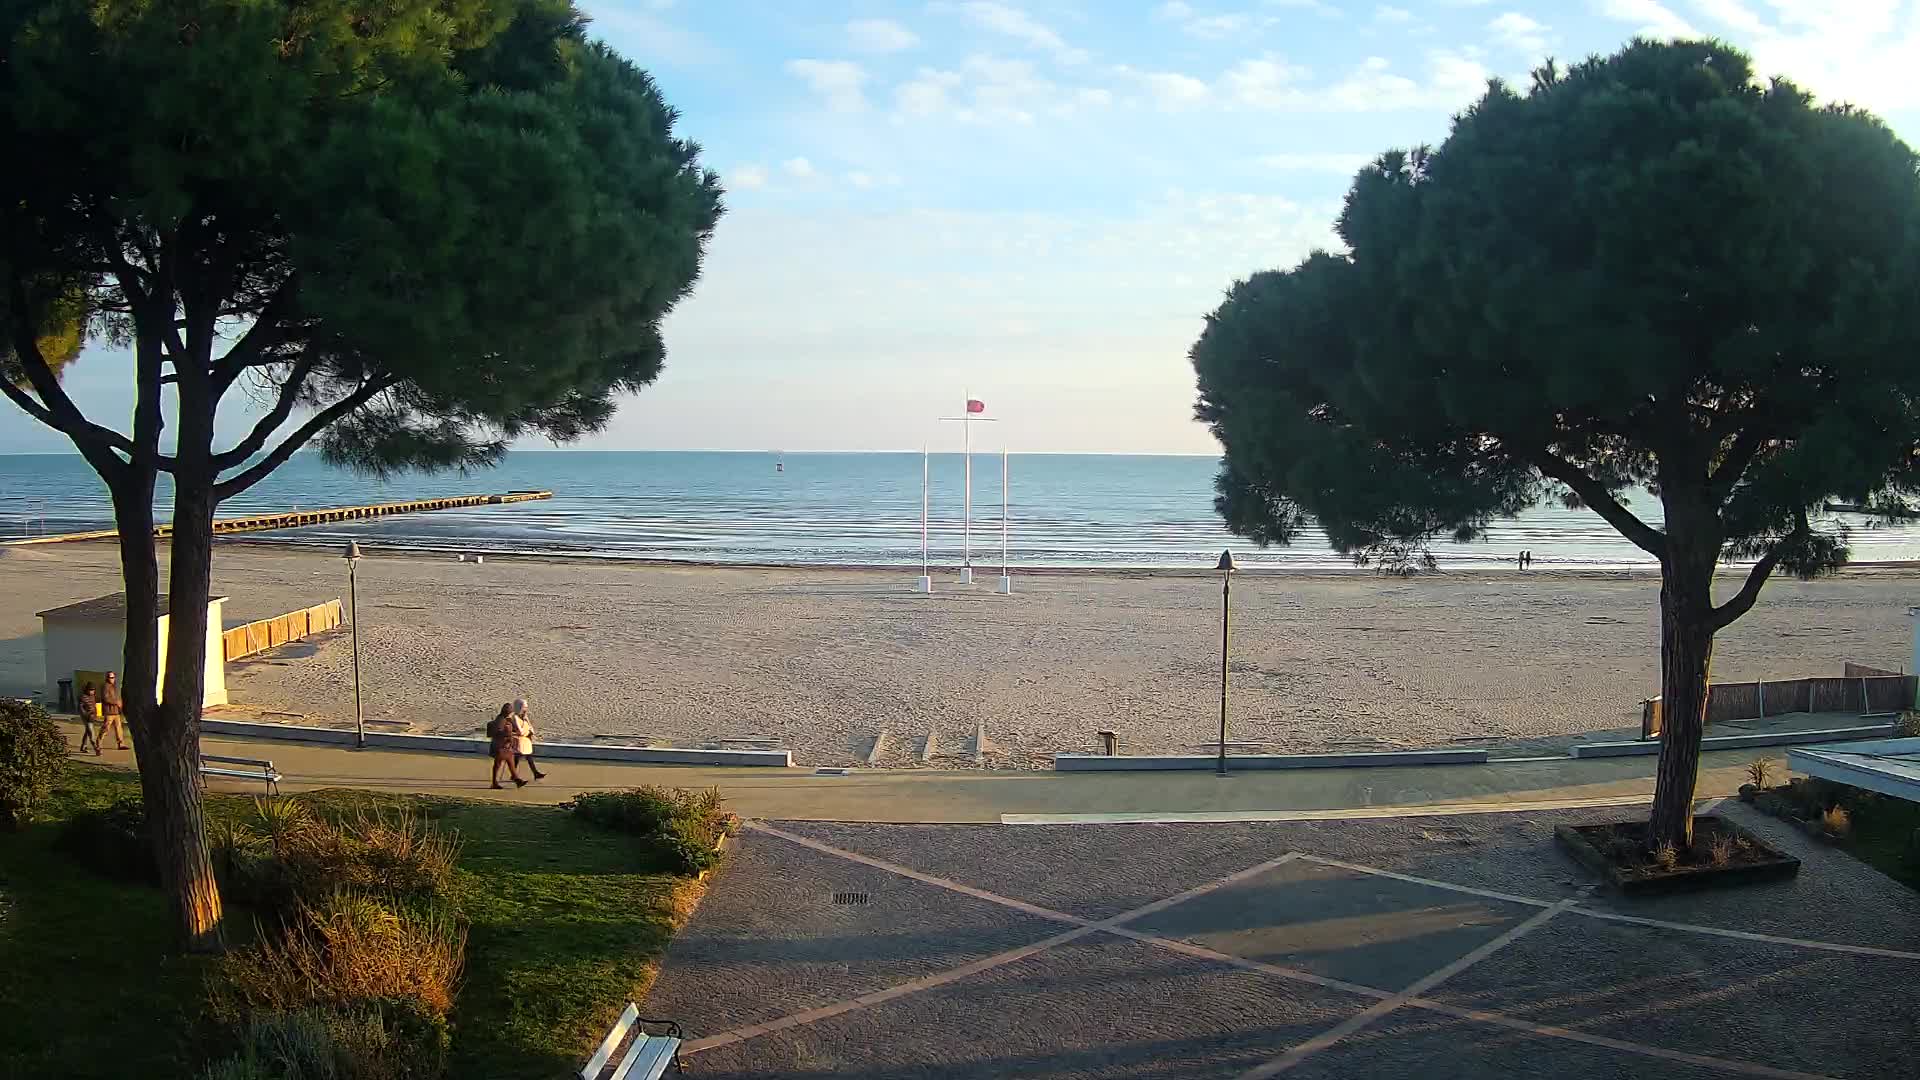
(821, 660)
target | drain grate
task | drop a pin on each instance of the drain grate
(852, 898)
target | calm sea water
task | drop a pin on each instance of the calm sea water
(859, 509)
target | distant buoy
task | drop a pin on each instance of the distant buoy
(779, 466)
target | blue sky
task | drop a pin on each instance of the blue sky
(1035, 202)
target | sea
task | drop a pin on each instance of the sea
(833, 509)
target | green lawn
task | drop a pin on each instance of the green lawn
(566, 925)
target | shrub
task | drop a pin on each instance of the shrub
(384, 1040)
(347, 948)
(1837, 821)
(33, 750)
(399, 853)
(1910, 723)
(1720, 850)
(1759, 771)
(282, 1046)
(246, 866)
(113, 841)
(1667, 857)
(277, 819)
(681, 827)
(640, 810)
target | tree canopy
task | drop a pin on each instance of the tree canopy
(428, 226)
(411, 231)
(1648, 270)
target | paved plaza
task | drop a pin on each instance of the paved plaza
(1457, 946)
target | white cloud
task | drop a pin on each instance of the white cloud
(1318, 7)
(1733, 14)
(860, 180)
(1015, 23)
(644, 32)
(1388, 14)
(1266, 83)
(1215, 27)
(926, 93)
(1520, 33)
(1452, 80)
(1172, 90)
(992, 89)
(1650, 17)
(1218, 27)
(880, 35)
(799, 168)
(838, 81)
(747, 178)
(1858, 51)
(1344, 164)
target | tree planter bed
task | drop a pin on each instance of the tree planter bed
(1601, 848)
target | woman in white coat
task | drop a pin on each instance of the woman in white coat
(523, 738)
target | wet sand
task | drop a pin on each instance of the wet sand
(821, 660)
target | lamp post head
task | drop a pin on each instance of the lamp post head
(1226, 562)
(352, 554)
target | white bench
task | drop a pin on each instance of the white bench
(647, 1056)
(243, 769)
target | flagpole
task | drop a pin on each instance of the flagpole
(925, 584)
(1006, 575)
(966, 529)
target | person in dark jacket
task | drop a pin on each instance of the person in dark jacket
(502, 740)
(112, 713)
(90, 723)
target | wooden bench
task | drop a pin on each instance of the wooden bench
(242, 769)
(647, 1056)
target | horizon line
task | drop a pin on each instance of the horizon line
(769, 453)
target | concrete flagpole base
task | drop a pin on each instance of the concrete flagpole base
(966, 575)
(1006, 586)
(923, 584)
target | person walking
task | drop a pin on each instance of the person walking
(112, 713)
(501, 744)
(523, 738)
(90, 723)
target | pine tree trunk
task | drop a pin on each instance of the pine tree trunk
(179, 829)
(140, 572)
(1686, 659)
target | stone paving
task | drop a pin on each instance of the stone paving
(1463, 946)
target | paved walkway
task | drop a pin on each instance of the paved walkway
(1463, 946)
(991, 796)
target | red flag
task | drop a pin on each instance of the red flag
(975, 405)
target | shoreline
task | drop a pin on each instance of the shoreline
(1879, 567)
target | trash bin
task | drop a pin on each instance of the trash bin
(66, 696)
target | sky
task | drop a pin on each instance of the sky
(1035, 202)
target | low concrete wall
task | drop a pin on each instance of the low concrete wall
(1736, 742)
(458, 744)
(1154, 763)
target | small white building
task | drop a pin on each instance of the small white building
(86, 640)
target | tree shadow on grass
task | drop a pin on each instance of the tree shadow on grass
(94, 984)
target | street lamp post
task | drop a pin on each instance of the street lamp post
(1226, 569)
(352, 556)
